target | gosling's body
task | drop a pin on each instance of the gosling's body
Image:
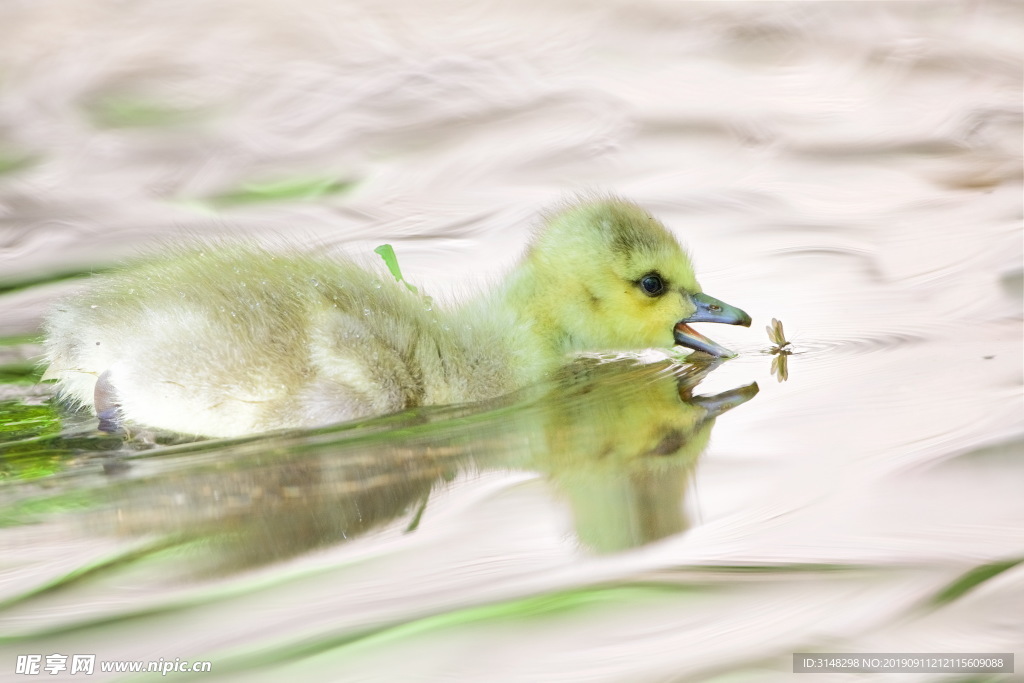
(223, 340)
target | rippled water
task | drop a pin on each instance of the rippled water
(853, 169)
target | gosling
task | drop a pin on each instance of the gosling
(227, 340)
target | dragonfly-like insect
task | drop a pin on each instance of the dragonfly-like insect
(781, 349)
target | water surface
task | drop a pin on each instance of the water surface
(852, 169)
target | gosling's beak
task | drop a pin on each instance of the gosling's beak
(709, 310)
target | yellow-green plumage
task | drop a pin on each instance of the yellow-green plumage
(223, 340)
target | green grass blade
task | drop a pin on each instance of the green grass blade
(972, 579)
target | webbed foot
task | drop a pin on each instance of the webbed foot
(104, 399)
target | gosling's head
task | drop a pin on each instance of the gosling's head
(610, 276)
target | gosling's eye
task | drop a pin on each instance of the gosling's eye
(652, 284)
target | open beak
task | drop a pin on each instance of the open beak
(709, 310)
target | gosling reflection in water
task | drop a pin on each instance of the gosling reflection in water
(623, 446)
(617, 439)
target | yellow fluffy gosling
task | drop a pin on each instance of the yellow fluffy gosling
(231, 340)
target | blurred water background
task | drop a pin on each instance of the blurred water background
(854, 169)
